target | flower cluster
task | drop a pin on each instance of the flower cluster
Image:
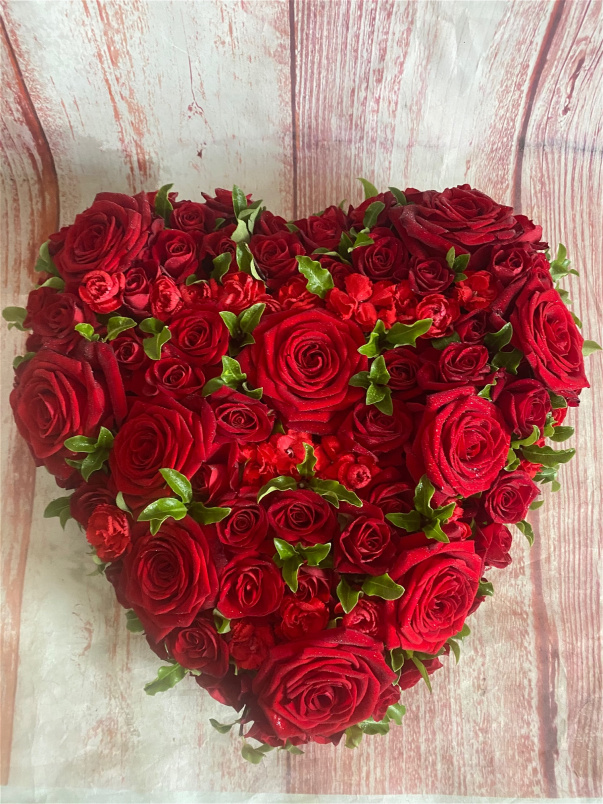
(296, 447)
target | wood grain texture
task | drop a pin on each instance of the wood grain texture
(28, 207)
(293, 100)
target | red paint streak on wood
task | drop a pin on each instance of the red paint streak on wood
(30, 183)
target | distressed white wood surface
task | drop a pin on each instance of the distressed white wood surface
(292, 100)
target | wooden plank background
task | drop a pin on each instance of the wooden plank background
(292, 100)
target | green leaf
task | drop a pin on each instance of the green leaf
(152, 346)
(118, 324)
(285, 549)
(509, 360)
(162, 508)
(231, 371)
(54, 282)
(223, 728)
(80, 444)
(378, 372)
(396, 712)
(496, 340)
(375, 394)
(444, 513)
(250, 318)
(399, 196)
(385, 404)
(459, 265)
(360, 380)
(371, 726)
(536, 504)
(239, 200)
(221, 265)
(221, 622)
(485, 588)
(315, 554)
(319, 278)
(207, 516)
(527, 531)
(353, 736)
(555, 485)
(422, 670)
(372, 214)
(577, 321)
(442, 343)
(254, 755)
(562, 433)
(133, 624)
(333, 487)
(424, 492)
(450, 257)
(376, 342)
(45, 261)
(87, 332)
(292, 749)
(231, 322)
(560, 266)
(306, 467)
(241, 237)
(407, 334)
(455, 648)
(547, 456)
(281, 483)
(464, 632)
(588, 347)
(410, 522)
(396, 658)
(433, 530)
(347, 596)
(179, 483)
(557, 401)
(151, 326)
(163, 207)
(93, 462)
(382, 586)
(22, 359)
(370, 191)
(60, 508)
(167, 677)
(289, 571)
(362, 239)
(528, 440)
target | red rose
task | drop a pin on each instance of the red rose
(139, 281)
(356, 214)
(462, 443)
(218, 475)
(390, 496)
(443, 311)
(366, 546)
(301, 516)
(472, 326)
(251, 586)
(108, 236)
(176, 251)
(53, 316)
(459, 216)
(368, 616)
(173, 376)
(239, 418)
(56, 397)
(294, 295)
(240, 291)
(524, 404)
(302, 618)
(217, 243)
(429, 276)
(440, 583)
(198, 646)
(200, 334)
(367, 427)
(387, 258)
(510, 497)
(170, 577)
(221, 203)
(316, 688)
(108, 531)
(154, 437)
(246, 527)
(275, 256)
(544, 330)
(477, 292)
(304, 363)
(314, 582)
(89, 496)
(189, 216)
(324, 230)
(457, 364)
(165, 298)
(403, 364)
(102, 292)
(250, 643)
(492, 544)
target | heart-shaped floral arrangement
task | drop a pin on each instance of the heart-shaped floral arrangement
(295, 447)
